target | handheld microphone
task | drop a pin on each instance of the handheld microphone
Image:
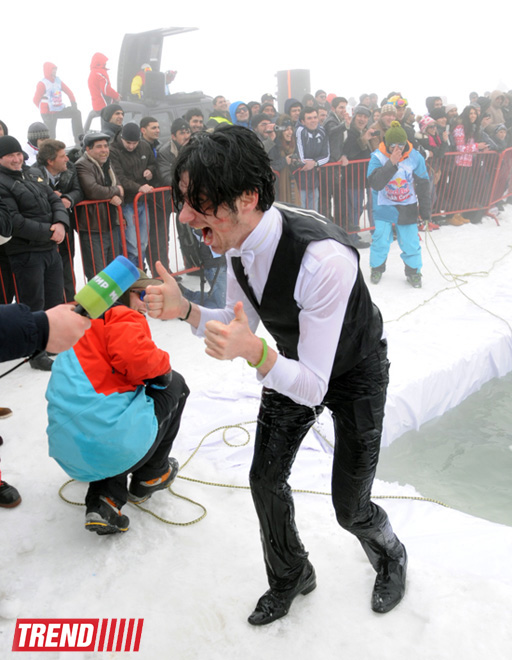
(102, 291)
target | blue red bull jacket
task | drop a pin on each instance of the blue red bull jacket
(400, 193)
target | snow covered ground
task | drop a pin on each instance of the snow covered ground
(195, 585)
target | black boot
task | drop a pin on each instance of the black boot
(275, 604)
(376, 273)
(9, 496)
(42, 362)
(413, 276)
(389, 586)
(104, 517)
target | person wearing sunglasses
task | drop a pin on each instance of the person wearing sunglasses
(400, 187)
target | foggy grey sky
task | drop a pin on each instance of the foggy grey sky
(421, 49)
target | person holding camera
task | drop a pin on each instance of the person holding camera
(285, 160)
(379, 128)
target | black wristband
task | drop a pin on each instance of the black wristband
(188, 313)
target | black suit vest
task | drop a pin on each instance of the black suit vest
(362, 326)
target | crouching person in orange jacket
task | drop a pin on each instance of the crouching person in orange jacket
(114, 408)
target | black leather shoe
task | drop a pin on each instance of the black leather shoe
(389, 586)
(275, 604)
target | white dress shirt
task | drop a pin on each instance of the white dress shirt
(326, 278)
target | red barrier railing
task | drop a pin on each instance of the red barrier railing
(338, 192)
(342, 193)
(162, 228)
(461, 188)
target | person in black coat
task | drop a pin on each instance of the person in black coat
(54, 168)
(23, 332)
(39, 223)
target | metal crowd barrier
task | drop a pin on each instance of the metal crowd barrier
(338, 192)
(341, 193)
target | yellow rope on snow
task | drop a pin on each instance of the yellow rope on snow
(224, 429)
(458, 281)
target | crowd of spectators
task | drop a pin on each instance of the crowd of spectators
(319, 147)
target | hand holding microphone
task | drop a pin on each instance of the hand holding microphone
(66, 328)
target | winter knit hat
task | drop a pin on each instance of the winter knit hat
(37, 131)
(500, 127)
(388, 109)
(426, 122)
(109, 110)
(395, 134)
(483, 102)
(9, 145)
(178, 125)
(398, 101)
(131, 132)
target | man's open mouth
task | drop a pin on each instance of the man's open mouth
(207, 235)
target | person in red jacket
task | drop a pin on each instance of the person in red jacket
(102, 93)
(48, 98)
(114, 408)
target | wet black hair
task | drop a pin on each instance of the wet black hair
(221, 166)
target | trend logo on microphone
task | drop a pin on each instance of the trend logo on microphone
(94, 635)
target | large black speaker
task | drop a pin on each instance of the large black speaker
(154, 86)
(293, 83)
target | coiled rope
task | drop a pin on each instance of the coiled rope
(458, 280)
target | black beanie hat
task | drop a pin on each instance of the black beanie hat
(9, 145)
(484, 103)
(178, 125)
(131, 132)
(109, 110)
(37, 131)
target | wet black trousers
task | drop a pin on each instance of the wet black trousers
(169, 404)
(356, 401)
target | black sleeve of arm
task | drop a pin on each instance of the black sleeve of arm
(381, 176)
(59, 211)
(74, 192)
(422, 187)
(22, 332)
(6, 222)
